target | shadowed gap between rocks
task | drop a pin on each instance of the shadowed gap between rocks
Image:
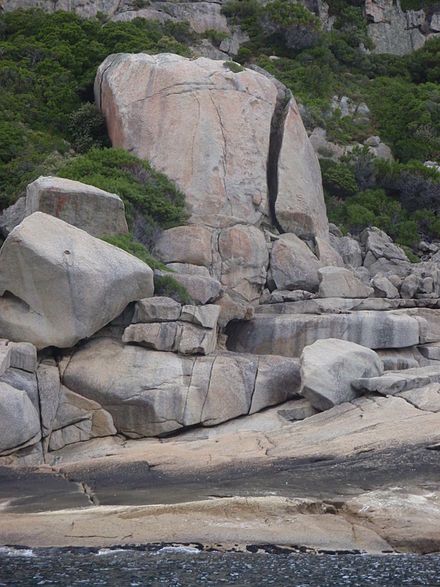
(275, 143)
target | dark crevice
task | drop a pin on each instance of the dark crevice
(275, 143)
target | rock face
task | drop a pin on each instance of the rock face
(218, 153)
(55, 282)
(165, 326)
(337, 282)
(328, 368)
(241, 155)
(97, 212)
(214, 151)
(150, 392)
(287, 335)
(293, 265)
(19, 420)
(299, 204)
(397, 32)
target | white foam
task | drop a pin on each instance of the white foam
(9, 551)
(106, 551)
(178, 549)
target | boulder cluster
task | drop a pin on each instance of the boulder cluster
(284, 306)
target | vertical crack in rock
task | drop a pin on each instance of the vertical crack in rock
(275, 143)
(40, 413)
(253, 387)
(207, 392)
(101, 81)
(225, 153)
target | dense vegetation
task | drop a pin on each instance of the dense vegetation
(49, 125)
(47, 67)
(401, 93)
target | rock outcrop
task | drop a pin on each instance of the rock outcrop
(55, 281)
(97, 212)
(218, 153)
(240, 154)
(397, 32)
(289, 334)
(150, 393)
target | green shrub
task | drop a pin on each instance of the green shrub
(166, 285)
(126, 243)
(87, 128)
(338, 179)
(234, 67)
(143, 190)
(216, 37)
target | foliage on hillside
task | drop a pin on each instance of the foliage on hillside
(403, 93)
(47, 68)
(401, 199)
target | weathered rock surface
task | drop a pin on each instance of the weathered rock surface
(186, 244)
(19, 420)
(202, 290)
(219, 156)
(382, 255)
(293, 265)
(328, 368)
(151, 392)
(299, 206)
(349, 249)
(397, 32)
(383, 288)
(78, 419)
(425, 398)
(177, 337)
(398, 359)
(340, 282)
(97, 212)
(393, 382)
(214, 153)
(313, 305)
(288, 334)
(56, 279)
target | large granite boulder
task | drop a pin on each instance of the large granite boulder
(216, 152)
(59, 284)
(149, 392)
(220, 153)
(97, 212)
(328, 368)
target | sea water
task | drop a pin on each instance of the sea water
(176, 566)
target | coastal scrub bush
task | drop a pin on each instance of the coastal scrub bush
(87, 128)
(127, 244)
(143, 190)
(48, 63)
(167, 285)
(338, 179)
